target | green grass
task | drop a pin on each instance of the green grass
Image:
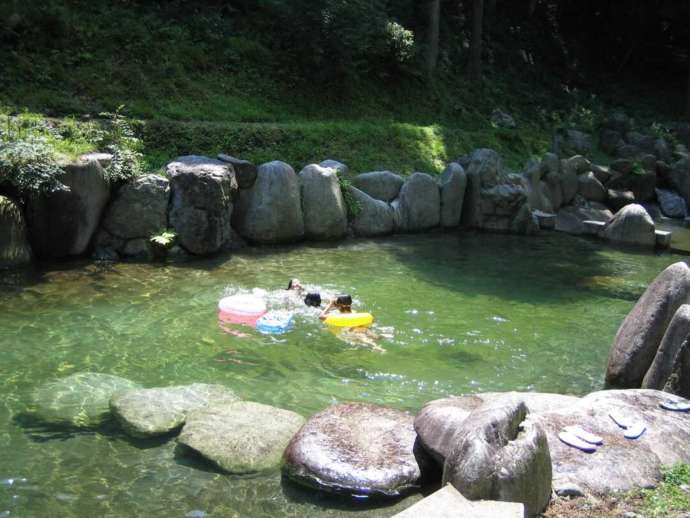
(668, 499)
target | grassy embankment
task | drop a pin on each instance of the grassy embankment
(198, 88)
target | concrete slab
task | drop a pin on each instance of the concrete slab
(594, 228)
(449, 503)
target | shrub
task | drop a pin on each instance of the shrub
(120, 140)
(351, 204)
(29, 166)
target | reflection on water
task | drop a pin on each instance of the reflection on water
(453, 313)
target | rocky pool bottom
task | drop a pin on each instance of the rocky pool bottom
(456, 314)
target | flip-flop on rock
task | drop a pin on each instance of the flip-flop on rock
(584, 434)
(573, 440)
(633, 429)
(676, 406)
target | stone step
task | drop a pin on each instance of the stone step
(546, 220)
(663, 238)
(449, 503)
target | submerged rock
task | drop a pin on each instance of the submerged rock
(323, 207)
(14, 247)
(157, 411)
(356, 448)
(639, 336)
(242, 437)
(201, 203)
(375, 217)
(380, 185)
(271, 210)
(81, 400)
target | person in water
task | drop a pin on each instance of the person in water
(343, 304)
(295, 285)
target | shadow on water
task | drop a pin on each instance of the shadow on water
(514, 267)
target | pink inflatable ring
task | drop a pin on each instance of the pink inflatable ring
(241, 309)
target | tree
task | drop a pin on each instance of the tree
(476, 43)
(434, 30)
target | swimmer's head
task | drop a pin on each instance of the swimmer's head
(313, 300)
(344, 303)
(294, 284)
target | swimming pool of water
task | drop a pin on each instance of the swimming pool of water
(456, 313)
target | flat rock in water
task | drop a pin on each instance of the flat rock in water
(242, 437)
(80, 400)
(157, 411)
(356, 448)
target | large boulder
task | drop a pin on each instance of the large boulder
(673, 346)
(139, 209)
(621, 464)
(158, 411)
(356, 448)
(639, 336)
(472, 204)
(201, 203)
(373, 218)
(339, 167)
(672, 204)
(81, 400)
(487, 164)
(323, 207)
(570, 142)
(271, 210)
(245, 171)
(418, 206)
(453, 182)
(642, 184)
(240, 437)
(62, 222)
(501, 208)
(538, 194)
(380, 185)
(631, 225)
(619, 121)
(590, 187)
(438, 421)
(619, 199)
(571, 219)
(498, 456)
(14, 247)
(679, 178)
(610, 140)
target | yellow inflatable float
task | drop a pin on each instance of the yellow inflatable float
(349, 320)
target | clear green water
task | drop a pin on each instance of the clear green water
(467, 313)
